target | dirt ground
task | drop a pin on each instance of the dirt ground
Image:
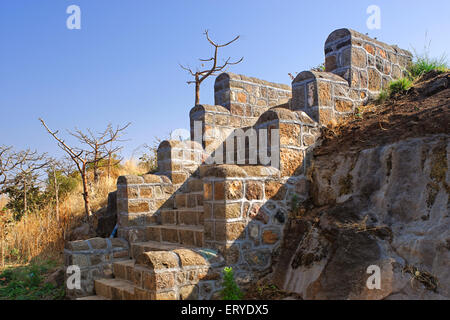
(265, 290)
(424, 109)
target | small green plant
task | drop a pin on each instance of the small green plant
(382, 97)
(295, 202)
(423, 63)
(26, 283)
(231, 290)
(400, 86)
(319, 68)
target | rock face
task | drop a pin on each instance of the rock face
(107, 216)
(387, 206)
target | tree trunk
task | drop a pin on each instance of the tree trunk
(3, 247)
(197, 90)
(87, 208)
(56, 194)
(25, 207)
(109, 166)
(96, 175)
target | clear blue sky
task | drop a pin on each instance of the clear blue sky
(123, 64)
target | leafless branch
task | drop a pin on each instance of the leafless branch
(201, 75)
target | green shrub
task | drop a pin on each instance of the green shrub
(231, 290)
(423, 63)
(26, 283)
(382, 96)
(400, 86)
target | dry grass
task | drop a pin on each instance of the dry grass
(40, 235)
(424, 277)
(358, 227)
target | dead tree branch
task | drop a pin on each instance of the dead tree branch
(201, 75)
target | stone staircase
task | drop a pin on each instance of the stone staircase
(190, 219)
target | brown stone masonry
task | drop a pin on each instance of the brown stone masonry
(182, 225)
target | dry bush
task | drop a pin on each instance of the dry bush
(40, 235)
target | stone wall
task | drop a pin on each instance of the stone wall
(179, 159)
(324, 96)
(139, 203)
(367, 64)
(245, 211)
(357, 68)
(94, 257)
(248, 98)
(235, 214)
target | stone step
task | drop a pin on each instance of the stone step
(93, 298)
(182, 217)
(140, 247)
(114, 289)
(179, 234)
(123, 270)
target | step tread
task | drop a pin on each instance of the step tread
(93, 298)
(179, 227)
(117, 283)
(129, 262)
(154, 245)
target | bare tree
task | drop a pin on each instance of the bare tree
(201, 75)
(28, 164)
(101, 145)
(9, 160)
(83, 158)
(56, 166)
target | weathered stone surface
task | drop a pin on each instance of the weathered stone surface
(158, 260)
(289, 134)
(169, 235)
(190, 258)
(138, 206)
(374, 80)
(344, 105)
(291, 161)
(274, 190)
(254, 190)
(256, 212)
(233, 190)
(390, 219)
(187, 237)
(270, 236)
(324, 94)
(130, 179)
(359, 58)
(330, 63)
(258, 259)
(227, 211)
(326, 116)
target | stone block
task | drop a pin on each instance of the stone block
(169, 235)
(227, 211)
(158, 260)
(146, 192)
(187, 237)
(138, 206)
(233, 190)
(254, 190)
(158, 281)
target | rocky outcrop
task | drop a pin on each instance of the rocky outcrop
(386, 206)
(107, 216)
